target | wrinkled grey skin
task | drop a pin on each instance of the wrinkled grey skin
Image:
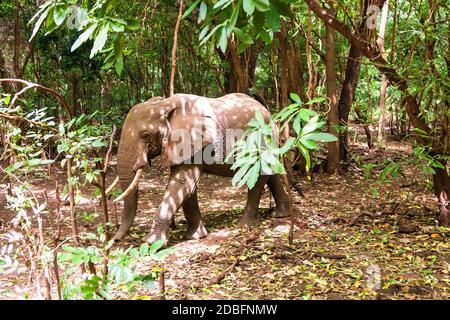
(146, 134)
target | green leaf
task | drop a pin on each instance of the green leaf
(190, 9)
(83, 37)
(273, 19)
(311, 125)
(295, 97)
(254, 175)
(242, 36)
(41, 9)
(266, 36)
(98, 143)
(297, 124)
(310, 144)
(88, 236)
(259, 117)
(202, 12)
(38, 24)
(321, 136)
(222, 4)
(262, 5)
(305, 153)
(249, 7)
(60, 14)
(133, 24)
(100, 40)
(233, 19)
(143, 249)
(156, 246)
(203, 32)
(240, 173)
(223, 40)
(306, 114)
(7, 99)
(206, 38)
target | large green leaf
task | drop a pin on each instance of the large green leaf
(190, 9)
(84, 37)
(262, 5)
(100, 40)
(320, 136)
(38, 24)
(249, 7)
(273, 19)
(60, 14)
(253, 175)
(202, 12)
(242, 36)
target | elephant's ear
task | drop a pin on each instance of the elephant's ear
(191, 126)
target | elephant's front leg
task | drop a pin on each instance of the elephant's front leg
(195, 228)
(182, 184)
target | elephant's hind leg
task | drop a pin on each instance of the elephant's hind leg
(181, 186)
(253, 198)
(195, 227)
(281, 197)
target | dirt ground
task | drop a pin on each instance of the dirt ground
(347, 244)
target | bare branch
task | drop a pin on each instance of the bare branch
(30, 85)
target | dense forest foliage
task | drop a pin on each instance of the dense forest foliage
(360, 91)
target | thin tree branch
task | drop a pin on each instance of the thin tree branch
(30, 85)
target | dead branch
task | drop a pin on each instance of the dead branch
(32, 122)
(30, 85)
(217, 279)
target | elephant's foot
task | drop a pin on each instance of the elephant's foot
(282, 212)
(154, 236)
(194, 233)
(120, 234)
(247, 220)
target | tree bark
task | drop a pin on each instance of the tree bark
(352, 71)
(282, 38)
(174, 49)
(380, 43)
(4, 74)
(333, 163)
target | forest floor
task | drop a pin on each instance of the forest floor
(347, 243)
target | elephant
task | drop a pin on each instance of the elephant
(152, 128)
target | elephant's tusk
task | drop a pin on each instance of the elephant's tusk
(131, 187)
(111, 187)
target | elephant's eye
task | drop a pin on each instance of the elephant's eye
(146, 136)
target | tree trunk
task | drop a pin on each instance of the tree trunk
(333, 163)
(282, 38)
(174, 50)
(295, 65)
(4, 74)
(74, 104)
(380, 43)
(352, 71)
(16, 57)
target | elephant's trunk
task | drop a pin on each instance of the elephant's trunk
(125, 163)
(128, 214)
